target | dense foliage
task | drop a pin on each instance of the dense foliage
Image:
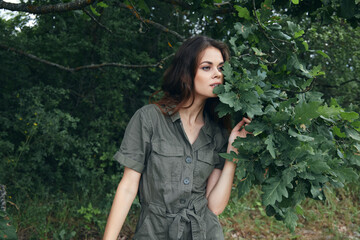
(299, 142)
(294, 71)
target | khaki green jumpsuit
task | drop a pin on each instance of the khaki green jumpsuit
(174, 175)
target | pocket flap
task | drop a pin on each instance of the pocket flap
(207, 156)
(165, 149)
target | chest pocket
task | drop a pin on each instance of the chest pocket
(166, 161)
(205, 164)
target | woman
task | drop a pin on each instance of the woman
(170, 151)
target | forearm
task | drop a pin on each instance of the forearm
(220, 194)
(119, 210)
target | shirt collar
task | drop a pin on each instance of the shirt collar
(174, 117)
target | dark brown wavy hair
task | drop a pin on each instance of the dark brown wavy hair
(178, 79)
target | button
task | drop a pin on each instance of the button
(186, 181)
(188, 160)
(182, 201)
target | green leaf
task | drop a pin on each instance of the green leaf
(229, 156)
(322, 54)
(144, 6)
(288, 175)
(255, 128)
(316, 191)
(352, 133)
(274, 190)
(227, 71)
(295, 1)
(349, 116)
(102, 4)
(258, 52)
(317, 165)
(330, 112)
(243, 12)
(228, 98)
(259, 90)
(356, 125)
(317, 71)
(302, 138)
(346, 174)
(299, 34)
(223, 109)
(291, 219)
(93, 10)
(245, 29)
(252, 109)
(357, 146)
(299, 210)
(219, 89)
(293, 62)
(244, 186)
(305, 112)
(300, 191)
(306, 45)
(270, 146)
(338, 132)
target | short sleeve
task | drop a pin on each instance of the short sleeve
(222, 148)
(135, 146)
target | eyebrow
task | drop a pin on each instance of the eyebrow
(208, 62)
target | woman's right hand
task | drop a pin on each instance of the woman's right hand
(238, 131)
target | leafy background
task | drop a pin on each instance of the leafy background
(294, 70)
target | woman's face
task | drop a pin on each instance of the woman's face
(208, 73)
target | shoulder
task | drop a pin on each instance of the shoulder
(148, 115)
(149, 110)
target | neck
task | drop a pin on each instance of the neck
(193, 114)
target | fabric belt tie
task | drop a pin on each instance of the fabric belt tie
(176, 228)
(186, 215)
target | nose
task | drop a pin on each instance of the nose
(217, 73)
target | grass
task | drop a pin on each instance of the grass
(60, 218)
(336, 218)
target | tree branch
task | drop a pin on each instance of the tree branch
(341, 84)
(182, 4)
(186, 6)
(155, 24)
(55, 8)
(91, 66)
(96, 21)
(262, 28)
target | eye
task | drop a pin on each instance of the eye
(221, 68)
(206, 68)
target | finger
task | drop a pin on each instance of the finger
(247, 120)
(239, 125)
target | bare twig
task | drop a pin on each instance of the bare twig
(262, 28)
(54, 8)
(148, 21)
(96, 21)
(91, 66)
